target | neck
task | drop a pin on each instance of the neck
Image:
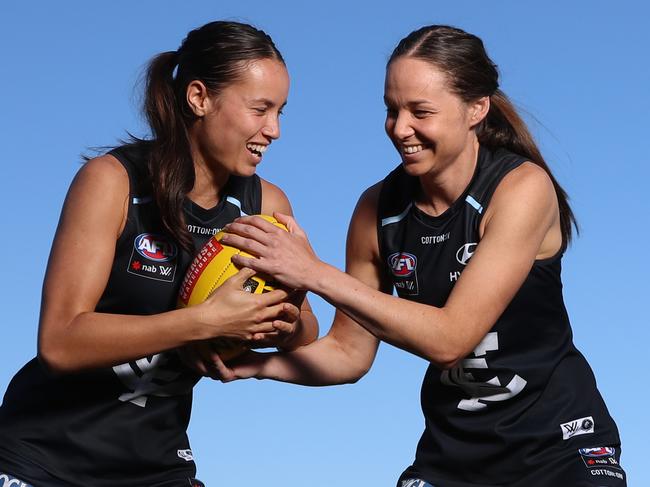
(209, 180)
(439, 190)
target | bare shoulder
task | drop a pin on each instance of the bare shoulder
(274, 199)
(526, 189)
(367, 204)
(362, 234)
(529, 180)
(99, 193)
(105, 173)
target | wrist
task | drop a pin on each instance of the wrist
(202, 322)
(323, 277)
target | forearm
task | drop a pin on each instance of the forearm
(417, 328)
(321, 363)
(93, 340)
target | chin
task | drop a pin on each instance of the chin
(245, 170)
(419, 168)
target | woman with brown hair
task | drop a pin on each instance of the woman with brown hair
(107, 401)
(469, 230)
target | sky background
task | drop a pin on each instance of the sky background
(578, 71)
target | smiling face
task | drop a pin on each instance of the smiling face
(235, 127)
(430, 126)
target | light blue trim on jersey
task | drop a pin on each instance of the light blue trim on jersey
(237, 203)
(477, 206)
(143, 200)
(395, 219)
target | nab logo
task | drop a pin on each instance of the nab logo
(465, 253)
(402, 264)
(155, 247)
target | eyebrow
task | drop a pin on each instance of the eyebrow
(412, 102)
(267, 102)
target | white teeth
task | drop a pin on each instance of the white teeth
(259, 148)
(411, 149)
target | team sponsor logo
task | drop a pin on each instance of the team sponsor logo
(577, 427)
(185, 455)
(199, 230)
(465, 253)
(603, 456)
(402, 264)
(9, 481)
(603, 472)
(153, 257)
(435, 239)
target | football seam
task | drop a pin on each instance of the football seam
(216, 281)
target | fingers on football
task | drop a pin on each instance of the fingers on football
(290, 223)
(250, 262)
(244, 274)
(277, 296)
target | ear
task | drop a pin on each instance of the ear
(478, 110)
(197, 98)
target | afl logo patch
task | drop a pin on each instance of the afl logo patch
(465, 253)
(155, 247)
(603, 451)
(402, 264)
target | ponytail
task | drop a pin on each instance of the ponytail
(170, 161)
(503, 127)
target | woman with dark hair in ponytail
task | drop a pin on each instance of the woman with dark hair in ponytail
(107, 401)
(469, 230)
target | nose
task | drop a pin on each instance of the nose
(272, 127)
(398, 126)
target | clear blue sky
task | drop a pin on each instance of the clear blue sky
(578, 69)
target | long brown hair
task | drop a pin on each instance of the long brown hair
(473, 75)
(216, 55)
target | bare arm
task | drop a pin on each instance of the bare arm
(522, 223)
(72, 336)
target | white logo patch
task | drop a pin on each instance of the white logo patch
(581, 426)
(185, 455)
(465, 253)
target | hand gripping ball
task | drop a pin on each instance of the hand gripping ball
(211, 267)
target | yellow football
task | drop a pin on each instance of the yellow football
(209, 270)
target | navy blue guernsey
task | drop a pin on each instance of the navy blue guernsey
(525, 394)
(125, 425)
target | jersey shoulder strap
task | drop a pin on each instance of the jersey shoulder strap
(245, 192)
(134, 158)
(492, 167)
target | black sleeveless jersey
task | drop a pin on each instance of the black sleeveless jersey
(525, 394)
(125, 425)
